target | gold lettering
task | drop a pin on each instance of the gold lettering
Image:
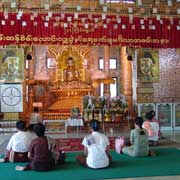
(35, 39)
(17, 38)
(28, 38)
(1, 37)
(22, 38)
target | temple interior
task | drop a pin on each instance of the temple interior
(77, 60)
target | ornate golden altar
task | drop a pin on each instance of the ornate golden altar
(68, 98)
(70, 83)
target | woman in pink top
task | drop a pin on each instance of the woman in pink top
(148, 125)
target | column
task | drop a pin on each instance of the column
(126, 80)
(106, 59)
(30, 86)
(106, 65)
(22, 115)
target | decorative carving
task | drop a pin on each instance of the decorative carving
(70, 84)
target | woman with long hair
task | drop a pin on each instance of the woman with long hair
(139, 140)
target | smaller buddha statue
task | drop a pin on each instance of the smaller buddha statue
(71, 73)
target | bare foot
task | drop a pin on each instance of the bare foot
(152, 153)
(2, 159)
(20, 168)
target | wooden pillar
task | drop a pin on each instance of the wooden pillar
(31, 68)
(126, 80)
(106, 66)
(106, 59)
(22, 115)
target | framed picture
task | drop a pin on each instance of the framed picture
(11, 65)
(148, 65)
(11, 98)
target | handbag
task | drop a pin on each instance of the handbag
(61, 156)
(119, 143)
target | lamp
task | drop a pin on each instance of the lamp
(29, 56)
(129, 58)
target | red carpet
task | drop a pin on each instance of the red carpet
(74, 144)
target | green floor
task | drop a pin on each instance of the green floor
(166, 163)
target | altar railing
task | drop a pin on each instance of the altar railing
(55, 115)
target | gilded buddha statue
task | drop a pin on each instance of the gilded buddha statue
(71, 77)
(71, 73)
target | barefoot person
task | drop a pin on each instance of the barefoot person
(96, 148)
(139, 140)
(153, 127)
(39, 153)
(18, 145)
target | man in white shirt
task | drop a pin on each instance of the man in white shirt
(96, 148)
(18, 145)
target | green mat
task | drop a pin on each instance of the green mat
(166, 163)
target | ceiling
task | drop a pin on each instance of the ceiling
(140, 8)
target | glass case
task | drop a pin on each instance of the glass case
(144, 108)
(176, 115)
(164, 115)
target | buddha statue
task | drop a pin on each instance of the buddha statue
(71, 73)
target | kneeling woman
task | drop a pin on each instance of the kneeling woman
(139, 140)
(39, 153)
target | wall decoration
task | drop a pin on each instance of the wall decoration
(73, 31)
(11, 64)
(11, 98)
(41, 72)
(145, 98)
(148, 65)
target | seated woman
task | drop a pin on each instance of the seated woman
(39, 153)
(139, 140)
(96, 148)
(18, 146)
(152, 127)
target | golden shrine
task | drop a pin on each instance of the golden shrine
(70, 82)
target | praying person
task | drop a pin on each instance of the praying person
(138, 139)
(41, 158)
(96, 148)
(153, 128)
(18, 145)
